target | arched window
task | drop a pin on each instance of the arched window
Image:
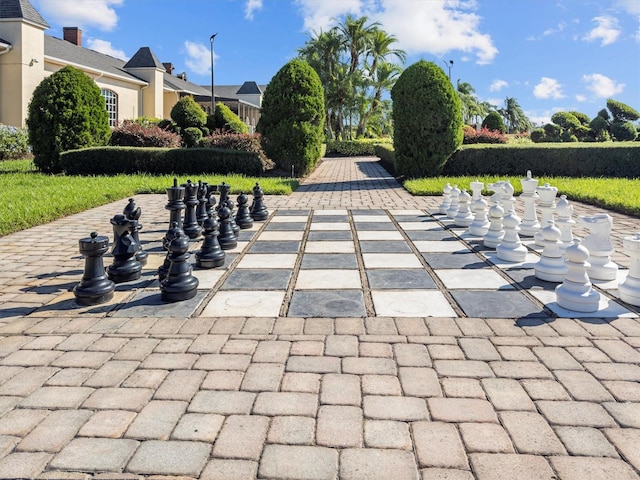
(111, 102)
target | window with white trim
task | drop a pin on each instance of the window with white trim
(111, 102)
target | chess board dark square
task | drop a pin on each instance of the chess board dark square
(454, 260)
(421, 235)
(384, 246)
(399, 279)
(327, 303)
(496, 304)
(312, 261)
(330, 235)
(375, 226)
(257, 279)
(285, 226)
(275, 246)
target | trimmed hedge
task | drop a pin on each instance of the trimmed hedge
(387, 157)
(353, 148)
(571, 160)
(129, 160)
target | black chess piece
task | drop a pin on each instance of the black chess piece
(95, 287)
(190, 224)
(133, 212)
(175, 206)
(243, 215)
(224, 190)
(259, 210)
(125, 267)
(201, 211)
(164, 268)
(211, 200)
(210, 254)
(179, 283)
(232, 218)
(226, 238)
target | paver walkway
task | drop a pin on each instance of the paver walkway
(225, 386)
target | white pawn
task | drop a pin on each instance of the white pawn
(480, 224)
(598, 242)
(564, 221)
(551, 266)
(529, 225)
(476, 188)
(446, 199)
(576, 292)
(495, 234)
(547, 205)
(464, 217)
(455, 202)
(630, 288)
(511, 248)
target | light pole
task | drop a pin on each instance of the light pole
(449, 66)
(213, 94)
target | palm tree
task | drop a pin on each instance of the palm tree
(356, 36)
(514, 117)
(384, 80)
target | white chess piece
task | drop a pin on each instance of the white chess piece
(576, 292)
(455, 202)
(511, 248)
(446, 199)
(547, 205)
(551, 266)
(495, 234)
(564, 221)
(476, 189)
(508, 200)
(464, 217)
(630, 288)
(480, 224)
(496, 188)
(529, 225)
(598, 242)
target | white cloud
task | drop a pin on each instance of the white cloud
(630, 6)
(437, 27)
(581, 98)
(606, 30)
(105, 47)
(497, 85)
(82, 13)
(198, 57)
(250, 7)
(602, 86)
(548, 88)
(558, 28)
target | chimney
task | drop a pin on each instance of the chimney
(73, 35)
(168, 67)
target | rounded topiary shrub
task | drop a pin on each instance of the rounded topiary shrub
(66, 112)
(191, 137)
(427, 120)
(225, 120)
(623, 131)
(292, 118)
(537, 134)
(493, 121)
(187, 113)
(622, 112)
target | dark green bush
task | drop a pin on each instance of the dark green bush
(66, 112)
(583, 118)
(598, 124)
(552, 130)
(292, 120)
(131, 160)
(191, 136)
(623, 131)
(427, 120)
(187, 113)
(622, 112)
(225, 120)
(243, 142)
(493, 121)
(537, 134)
(564, 159)
(142, 134)
(565, 120)
(387, 157)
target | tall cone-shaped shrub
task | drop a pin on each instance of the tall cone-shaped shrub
(293, 117)
(427, 120)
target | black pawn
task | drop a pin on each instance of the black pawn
(210, 254)
(133, 212)
(179, 284)
(259, 210)
(175, 206)
(95, 287)
(125, 267)
(190, 224)
(227, 238)
(201, 211)
(232, 218)
(171, 233)
(243, 216)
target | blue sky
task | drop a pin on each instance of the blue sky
(550, 55)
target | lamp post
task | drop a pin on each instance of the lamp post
(213, 95)
(449, 66)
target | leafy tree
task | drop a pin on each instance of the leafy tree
(472, 107)
(583, 118)
(623, 131)
(293, 117)
(622, 112)
(515, 118)
(493, 121)
(66, 112)
(427, 120)
(187, 113)
(565, 120)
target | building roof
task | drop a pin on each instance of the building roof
(232, 91)
(144, 58)
(249, 88)
(21, 9)
(171, 82)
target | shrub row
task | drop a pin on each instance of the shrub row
(575, 160)
(125, 160)
(484, 135)
(238, 141)
(353, 148)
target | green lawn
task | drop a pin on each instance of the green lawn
(29, 198)
(617, 194)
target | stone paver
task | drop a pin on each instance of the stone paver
(370, 391)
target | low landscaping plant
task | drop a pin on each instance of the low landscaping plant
(14, 142)
(143, 134)
(484, 135)
(355, 148)
(243, 142)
